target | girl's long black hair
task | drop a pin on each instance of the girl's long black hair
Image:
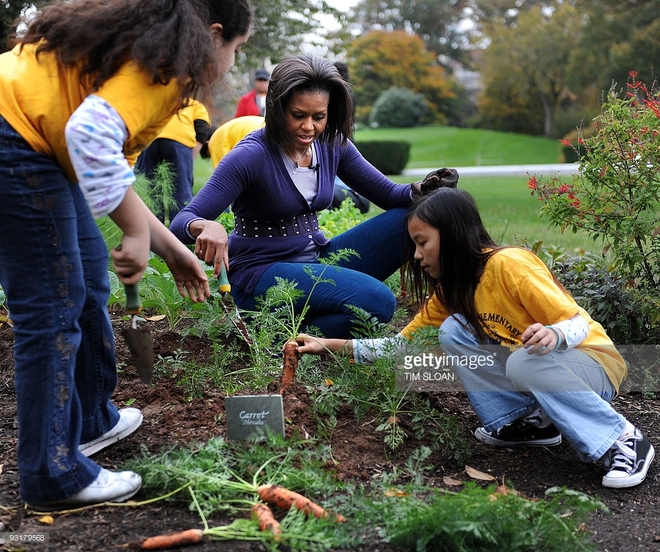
(465, 247)
(170, 39)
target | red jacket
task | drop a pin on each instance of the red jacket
(247, 105)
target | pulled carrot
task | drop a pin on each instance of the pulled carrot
(286, 499)
(290, 364)
(267, 522)
(173, 540)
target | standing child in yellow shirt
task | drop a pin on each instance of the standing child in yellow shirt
(90, 84)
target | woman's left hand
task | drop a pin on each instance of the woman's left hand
(538, 339)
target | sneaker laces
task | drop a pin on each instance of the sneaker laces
(623, 454)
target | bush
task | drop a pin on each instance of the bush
(399, 108)
(388, 156)
(614, 197)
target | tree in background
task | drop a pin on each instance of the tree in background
(10, 11)
(525, 68)
(620, 36)
(435, 21)
(381, 60)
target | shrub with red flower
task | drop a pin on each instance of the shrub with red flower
(616, 193)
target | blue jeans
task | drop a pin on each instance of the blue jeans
(163, 150)
(570, 387)
(54, 272)
(358, 281)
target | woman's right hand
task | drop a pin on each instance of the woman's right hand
(211, 241)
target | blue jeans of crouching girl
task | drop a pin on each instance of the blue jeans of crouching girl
(570, 387)
(356, 281)
(54, 272)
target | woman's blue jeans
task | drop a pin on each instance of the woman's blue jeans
(570, 387)
(54, 272)
(357, 281)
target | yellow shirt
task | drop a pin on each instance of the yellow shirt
(226, 136)
(517, 290)
(181, 127)
(37, 100)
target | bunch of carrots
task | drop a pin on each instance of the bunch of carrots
(270, 495)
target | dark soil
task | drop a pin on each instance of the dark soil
(169, 419)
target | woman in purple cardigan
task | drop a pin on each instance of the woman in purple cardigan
(276, 180)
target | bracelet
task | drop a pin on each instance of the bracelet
(560, 341)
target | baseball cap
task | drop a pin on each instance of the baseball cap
(261, 74)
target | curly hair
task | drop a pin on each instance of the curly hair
(303, 74)
(169, 39)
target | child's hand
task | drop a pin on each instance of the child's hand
(131, 257)
(538, 339)
(311, 345)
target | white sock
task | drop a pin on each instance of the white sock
(627, 431)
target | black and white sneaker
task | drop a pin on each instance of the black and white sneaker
(520, 433)
(628, 461)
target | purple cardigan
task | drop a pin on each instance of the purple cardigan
(253, 179)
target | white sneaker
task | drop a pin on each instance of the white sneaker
(129, 420)
(107, 487)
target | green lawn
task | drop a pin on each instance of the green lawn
(441, 146)
(509, 212)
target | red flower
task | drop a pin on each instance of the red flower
(566, 142)
(532, 183)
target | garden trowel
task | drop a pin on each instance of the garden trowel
(138, 339)
(225, 287)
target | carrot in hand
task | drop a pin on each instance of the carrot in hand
(290, 364)
(267, 522)
(173, 540)
(285, 499)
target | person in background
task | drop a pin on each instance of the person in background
(87, 85)
(254, 102)
(177, 145)
(343, 192)
(276, 180)
(540, 367)
(228, 134)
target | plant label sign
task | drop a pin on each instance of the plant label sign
(254, 416)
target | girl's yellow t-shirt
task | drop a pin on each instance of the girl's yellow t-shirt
(38, 96)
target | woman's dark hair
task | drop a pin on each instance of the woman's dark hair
(463, 239)
(169, 39)
(303, 74)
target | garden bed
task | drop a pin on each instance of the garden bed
(359, 455)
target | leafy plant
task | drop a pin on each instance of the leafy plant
(615, 196)
(282, 305)
(159, 291)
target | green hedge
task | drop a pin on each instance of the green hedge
(389, 157)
